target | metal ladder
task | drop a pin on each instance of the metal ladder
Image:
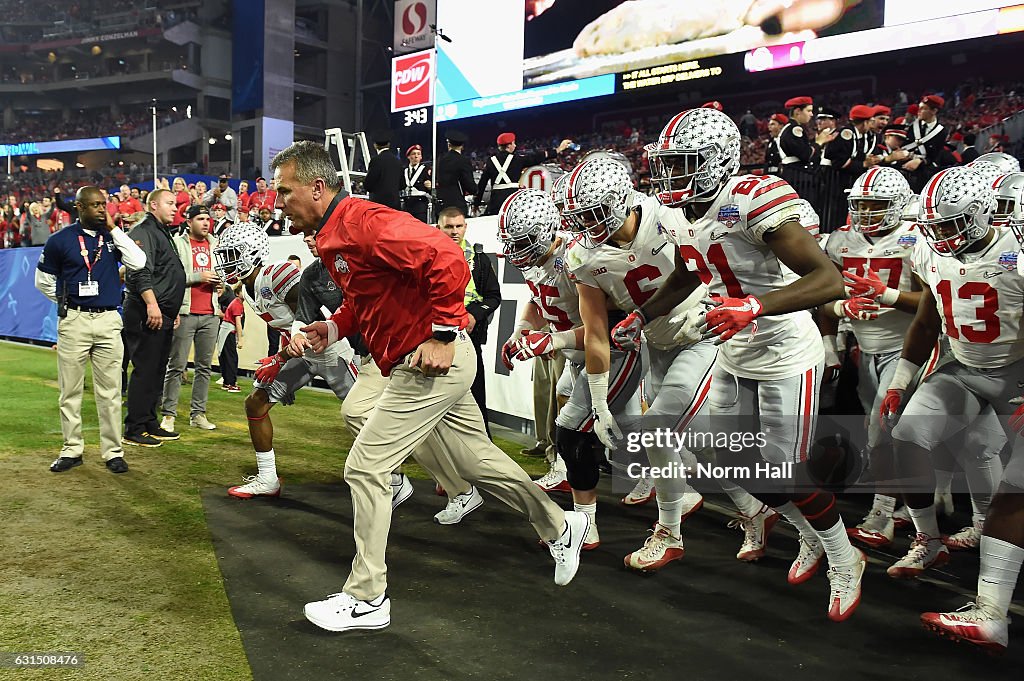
(353, 156)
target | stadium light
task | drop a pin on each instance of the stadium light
(188, 111)
(227, 136)
(79, 164)
(212, 140)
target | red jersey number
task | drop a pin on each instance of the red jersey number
(646, 272)
(717, 257)
(543, 295)
(986, 313)
(889, 270)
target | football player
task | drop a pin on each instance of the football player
(527, 224)
(975, 294)
(1005, 162)
(1008, 189)
(624, 254)
(272, 290)
(745, 241)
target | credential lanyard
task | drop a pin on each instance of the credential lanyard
(85, 254)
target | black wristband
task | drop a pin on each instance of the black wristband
(444, 336)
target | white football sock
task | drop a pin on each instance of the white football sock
(925, 521)
(943, 482)
(589, 509)
(837, 545)
(266, 466)
(670, 513)
(885, 504)
(745, 502)
(790, 512)
(1000, 565)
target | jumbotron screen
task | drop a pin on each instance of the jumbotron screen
(510, 54)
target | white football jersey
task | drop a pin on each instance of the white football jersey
(979, 298)
(726, 248)
(271, 288)
(629, 275)
(555, 295)
(888, 256)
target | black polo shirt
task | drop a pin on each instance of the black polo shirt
(62, 257)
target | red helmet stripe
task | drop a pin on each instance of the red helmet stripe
(670, 129)
(570, 187)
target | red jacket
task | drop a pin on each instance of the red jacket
(264, 200)
(399, 277)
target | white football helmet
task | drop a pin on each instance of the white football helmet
(241, 250)
(989, 171)
(616, 156)
(1005, 162)
(878, 200)
(809, 218)
(696, 153)
(598, 199)
(527, 222)
(1009, 190)
(956, 206)
(1016, 222)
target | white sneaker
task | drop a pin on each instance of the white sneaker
(901, 517)
(566, 549)
(642, 493)
(593, 538)
(220, 381)
(556, 479)
(167, 423)
(459, 507)
(925, 552)
(844, 581)
(401, 489)
(755, 533)
(342, 612)
(967, 539)
(943, 504)
(660, 549)
(973, 623)
(200, 421)
(256, 487)
(808, 560)
(875, 530)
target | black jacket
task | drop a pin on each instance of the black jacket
(486, 282)
(316, 290)
(384, 179)
(66, 206)
(454, 180)
(515, 168)
(163, 273)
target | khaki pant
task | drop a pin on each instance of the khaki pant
(545, 399)
(409, 409)
(81, 337)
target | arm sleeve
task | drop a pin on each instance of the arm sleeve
(308, 309)
(132, 256)
(428, 257)
(47, 284)
(486, 286)
(66, 206)
(208, 198)
(141, 279)
(230, 200)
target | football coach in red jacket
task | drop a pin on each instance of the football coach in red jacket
(404, 286)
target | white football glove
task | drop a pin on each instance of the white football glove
(689, 323)
(605, 428)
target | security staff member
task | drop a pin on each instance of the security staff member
(384, 175)
(416, 185)
(504, 168)
(454, 174)
(153, 300)
(79, 270)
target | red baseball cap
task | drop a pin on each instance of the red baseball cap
(506, 138)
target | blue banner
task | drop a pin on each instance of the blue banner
(247, 55)
(59, 146)
(24, 311)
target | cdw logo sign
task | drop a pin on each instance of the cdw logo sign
(412, 81)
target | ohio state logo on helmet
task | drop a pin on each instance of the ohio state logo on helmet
(527, 222)
(878, 199)
(242, 249)
(956, 205)
(695, 155)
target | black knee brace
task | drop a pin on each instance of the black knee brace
(582, 453)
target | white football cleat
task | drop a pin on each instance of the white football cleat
(808, 560)
(642, 493)
(755, 533)
(342, 612)
(875, 530)
(660, 549)
(901, 518)
(692, 502)
(974, 624)
(256, 486)
(967, 539)
(844, 581)
(556, 479)
(459, 507)
(566, 549)
(925, 552)
(401, 489)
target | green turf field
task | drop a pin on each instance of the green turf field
(121, 567)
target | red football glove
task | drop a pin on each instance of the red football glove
(509, 348)
(269, 366)
(868, 286)
(860, 308)
(1017, 417)
(626, 334)
(533, 344)
(731, 315)
(890, 408)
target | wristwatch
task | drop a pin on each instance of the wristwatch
(444, 336)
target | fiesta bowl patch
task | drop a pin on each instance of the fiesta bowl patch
(907, 240)
(266, 293)
(729, 215)
(1008, 260)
